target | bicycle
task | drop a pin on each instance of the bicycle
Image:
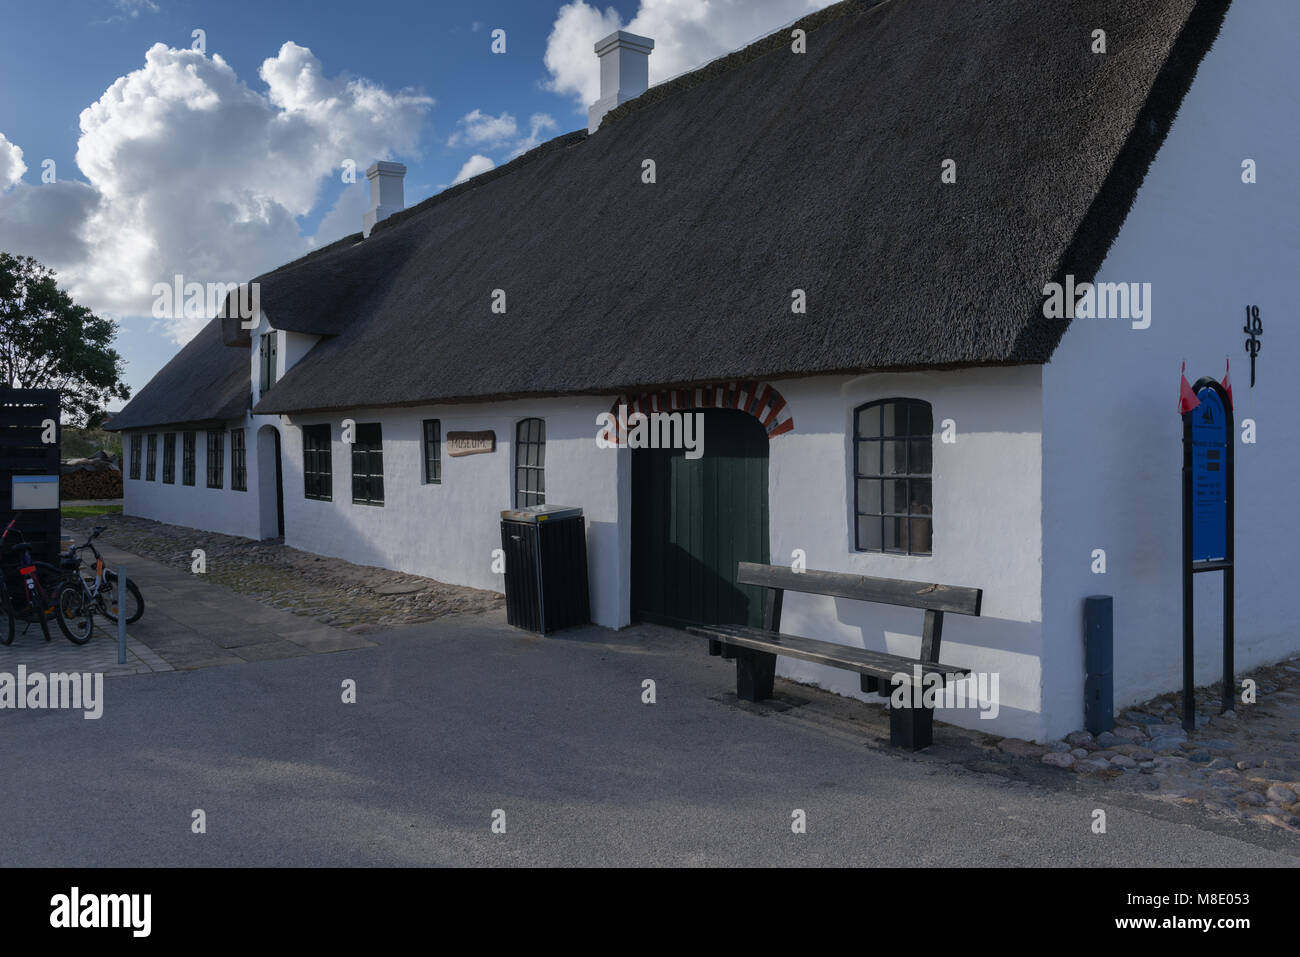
(6, 633)
(40, 604)
(101, 589)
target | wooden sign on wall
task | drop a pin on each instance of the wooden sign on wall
(471, 443)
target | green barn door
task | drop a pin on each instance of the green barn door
(694, 519)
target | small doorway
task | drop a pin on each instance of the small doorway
(694, 519)
(270, 493)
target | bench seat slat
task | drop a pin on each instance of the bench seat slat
(890, 591)
(878, 664)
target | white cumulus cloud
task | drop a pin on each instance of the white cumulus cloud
(687, 34)
(190, 170)
(477, 129)
(473, 166)
(12, 166)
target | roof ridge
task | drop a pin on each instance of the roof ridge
(728, 61)
(768, 43)
(562, 141)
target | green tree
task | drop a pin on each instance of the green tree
(47, 341)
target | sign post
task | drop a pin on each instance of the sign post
(1207, 526)
(121, 616)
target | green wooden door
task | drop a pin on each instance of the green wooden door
(694, 519)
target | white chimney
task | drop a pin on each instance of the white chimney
(624, 72)
(385, 193)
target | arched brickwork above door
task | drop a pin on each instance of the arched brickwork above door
(756, 398)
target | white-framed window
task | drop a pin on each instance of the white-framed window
(893, 498)
(530, 463)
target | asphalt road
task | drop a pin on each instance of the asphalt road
(463, 717)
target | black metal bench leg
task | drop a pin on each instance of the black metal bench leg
(911, 728)
(755, 674)
(717, 648)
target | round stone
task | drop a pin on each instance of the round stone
(1280, 794)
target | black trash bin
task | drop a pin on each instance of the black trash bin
(546, 568)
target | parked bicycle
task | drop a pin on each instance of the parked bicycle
(83, 594)
(38, 596)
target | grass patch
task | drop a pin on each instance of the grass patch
(89, 511)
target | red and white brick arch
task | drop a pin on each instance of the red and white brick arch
(759, 399)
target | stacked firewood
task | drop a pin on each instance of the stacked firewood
(94, 477)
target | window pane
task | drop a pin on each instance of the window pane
(920, 536)
(893, 459)
(869, 495)
(869, 422)
(920, 462)
(921, 497)
(920, 419)
(869, 458)
(894, 416)
(895, 534)
(896, 496)
(869, 533)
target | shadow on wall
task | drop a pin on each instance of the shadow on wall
(1010, 649)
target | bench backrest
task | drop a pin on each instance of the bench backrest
(890, 591)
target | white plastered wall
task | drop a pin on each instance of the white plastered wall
(986, 529)
(448, 531)
(1210, 245)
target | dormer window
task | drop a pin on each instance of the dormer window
(268, 361)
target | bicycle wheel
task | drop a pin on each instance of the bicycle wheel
(75, 613)
(49, 580)
(40, 608)
(108, 599)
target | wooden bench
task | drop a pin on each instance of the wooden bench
(756, 649)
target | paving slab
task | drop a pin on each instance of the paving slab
(191, 623)
(465, 717)
(270, 650)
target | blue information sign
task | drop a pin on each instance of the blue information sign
(1207, 524)
(1209, 478)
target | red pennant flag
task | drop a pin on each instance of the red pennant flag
(1187, 399)
(1227, 380)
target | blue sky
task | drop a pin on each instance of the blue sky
(204, 163)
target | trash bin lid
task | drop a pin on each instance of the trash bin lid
(541, 513)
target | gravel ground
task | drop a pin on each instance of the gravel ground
(335, 592)
(1243, 765)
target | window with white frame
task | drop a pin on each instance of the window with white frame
(530, 463)
(893, 493)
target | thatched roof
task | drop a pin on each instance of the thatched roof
(775, 171)
(205, 382)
